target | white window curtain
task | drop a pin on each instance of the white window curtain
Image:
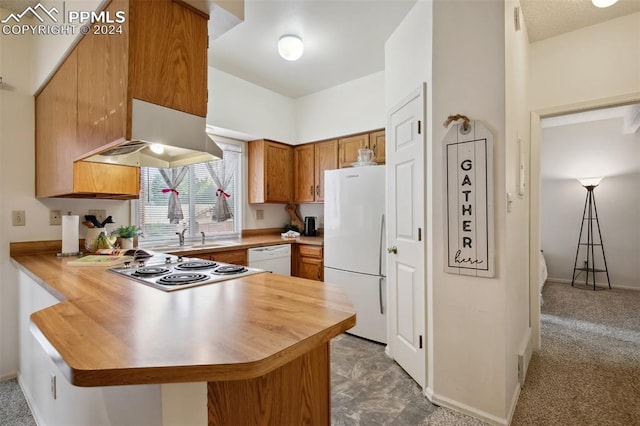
(173, 178)
(222, 179)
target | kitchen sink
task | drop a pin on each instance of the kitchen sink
(213, 244)
(170, 248)
(189, 246)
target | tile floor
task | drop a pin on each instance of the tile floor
(368, 388)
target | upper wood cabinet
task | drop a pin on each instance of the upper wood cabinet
(304, 182)
(168, 55)
(326, 158)
(160, 57)
(349, 146)
(378, 145)
(270, 172)
(309, 163)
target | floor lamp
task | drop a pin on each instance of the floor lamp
(590, 216)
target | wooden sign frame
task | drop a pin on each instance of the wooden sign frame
(469, 209)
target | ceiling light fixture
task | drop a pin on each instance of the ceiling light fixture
(290, 47)
(157, 148)
(603, 3)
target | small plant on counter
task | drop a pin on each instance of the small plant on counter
(128, 231)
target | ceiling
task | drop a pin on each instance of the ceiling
(344, 39)
(549, 18)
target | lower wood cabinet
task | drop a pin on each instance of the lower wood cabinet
(236, 257)
(309, 262)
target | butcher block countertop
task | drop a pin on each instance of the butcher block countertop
(109, 330)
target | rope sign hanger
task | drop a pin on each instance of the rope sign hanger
(466, 128)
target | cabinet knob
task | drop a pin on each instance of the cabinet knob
(318, 190)
(311, 193)
(393, 250)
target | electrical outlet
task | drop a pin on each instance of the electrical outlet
(52, 383)
(259, 214)
(100, 215)
(18, 218)
(55, 217)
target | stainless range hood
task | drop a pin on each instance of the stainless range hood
(181, 137)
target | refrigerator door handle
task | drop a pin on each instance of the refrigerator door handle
(381, 242)
(380, 294)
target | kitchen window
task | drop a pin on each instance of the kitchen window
(203, 197)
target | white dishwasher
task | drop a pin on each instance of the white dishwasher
(276, 259)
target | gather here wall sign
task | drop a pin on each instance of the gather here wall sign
(469, 200)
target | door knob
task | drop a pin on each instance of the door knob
(393, 250)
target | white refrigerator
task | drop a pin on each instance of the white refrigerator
(354, 244)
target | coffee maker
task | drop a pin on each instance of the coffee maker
(309, 226)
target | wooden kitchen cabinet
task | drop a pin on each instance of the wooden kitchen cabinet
(309, 262)
(56, 129)
(235, 257)
(304, 182)
(349, 146)
(310, 162)
(270, 172)
(377, 143)
(326, 158)
(160, 57)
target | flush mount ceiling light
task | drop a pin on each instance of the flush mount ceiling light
(290, 47)
(157, 148)
(603, 3)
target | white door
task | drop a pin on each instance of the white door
(406, 234)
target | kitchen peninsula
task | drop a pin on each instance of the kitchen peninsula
(261, 342)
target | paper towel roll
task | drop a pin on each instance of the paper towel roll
(70, 226)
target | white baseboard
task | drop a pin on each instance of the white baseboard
(34, 411)
(466, 409)
(598, 284)
(9, 376)
(514, 402)
(524, 356)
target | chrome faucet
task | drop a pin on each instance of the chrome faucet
(181, 236)
(202, 233)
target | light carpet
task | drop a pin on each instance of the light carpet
(14, 410)
(588, 369)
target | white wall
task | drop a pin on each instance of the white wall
(517, 122)
(591, 149)
(25, 62)
(466, 319)
(469, 314)
(241, 106)
(597, 62)
(352, 107)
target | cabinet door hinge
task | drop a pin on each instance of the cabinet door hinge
(420, 342)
